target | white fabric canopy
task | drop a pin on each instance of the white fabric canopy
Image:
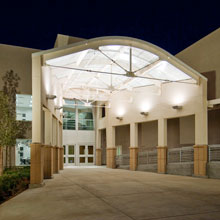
(94, 74)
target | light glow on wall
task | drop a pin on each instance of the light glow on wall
(120, 111)
(46, 79)
(145, 107)
(178, 99)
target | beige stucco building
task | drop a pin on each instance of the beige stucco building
(123, 103)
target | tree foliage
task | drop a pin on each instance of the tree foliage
(10, 89)
(10, 128)
(8, 131)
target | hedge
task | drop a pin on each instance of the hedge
(13, 181)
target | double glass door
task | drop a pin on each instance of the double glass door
(79, 154)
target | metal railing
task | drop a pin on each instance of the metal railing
(180, 155)
(69, 124)
(123, 159)
(85, 124)
(147, 157)
(214, 153)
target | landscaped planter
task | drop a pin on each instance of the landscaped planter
(13, 181)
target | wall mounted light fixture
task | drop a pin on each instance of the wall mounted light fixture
(51, 96)
(119, 118)
(178, 107)
(144, 113)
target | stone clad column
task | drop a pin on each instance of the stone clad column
(61, 145)
(98, 153)
(133, 146)
(111, 149)
(58, 143)
(162, 146)
(48, 150)
(201, 134)
(36, 178)
(55, 155)
(201, 145)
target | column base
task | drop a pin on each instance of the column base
(32, 186)
(200, 160)
(111, 153)
(98, 155)
(55, 160)
(133, 158)
(61, 158)
(37, 163)
(161, 159)
(48, 165)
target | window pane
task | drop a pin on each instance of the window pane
(64, 159)
(82, 150)
(71, 149)
(90, 149)
(85, 118)
(71, 159)
(90, 159)
(23, 107)
(82, 160)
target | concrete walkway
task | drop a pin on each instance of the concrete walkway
(104, 194)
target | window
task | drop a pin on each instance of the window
(23, 107)
(69, 119)
(103, 111)
(85, 118)
(71, 149)
(23, 152)
(69, 115)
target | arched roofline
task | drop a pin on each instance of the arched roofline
(94, 43)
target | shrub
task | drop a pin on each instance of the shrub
(12, 181)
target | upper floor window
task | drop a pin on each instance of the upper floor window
(77, 116)
(103, 111)
(85, 118)
(23, 107)
(69, 115)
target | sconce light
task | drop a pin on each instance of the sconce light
(144, 113)
(58, 107)
(119, 118)
(178, 107)
(50, 96)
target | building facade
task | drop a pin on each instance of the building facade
(142, 109)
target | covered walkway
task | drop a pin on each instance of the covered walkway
(101, 193)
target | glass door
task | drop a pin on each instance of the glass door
(86, 154)
(69, 155)
(79, 155)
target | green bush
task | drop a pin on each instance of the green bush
(13, 180)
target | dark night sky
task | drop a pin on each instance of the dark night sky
(172, 25)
